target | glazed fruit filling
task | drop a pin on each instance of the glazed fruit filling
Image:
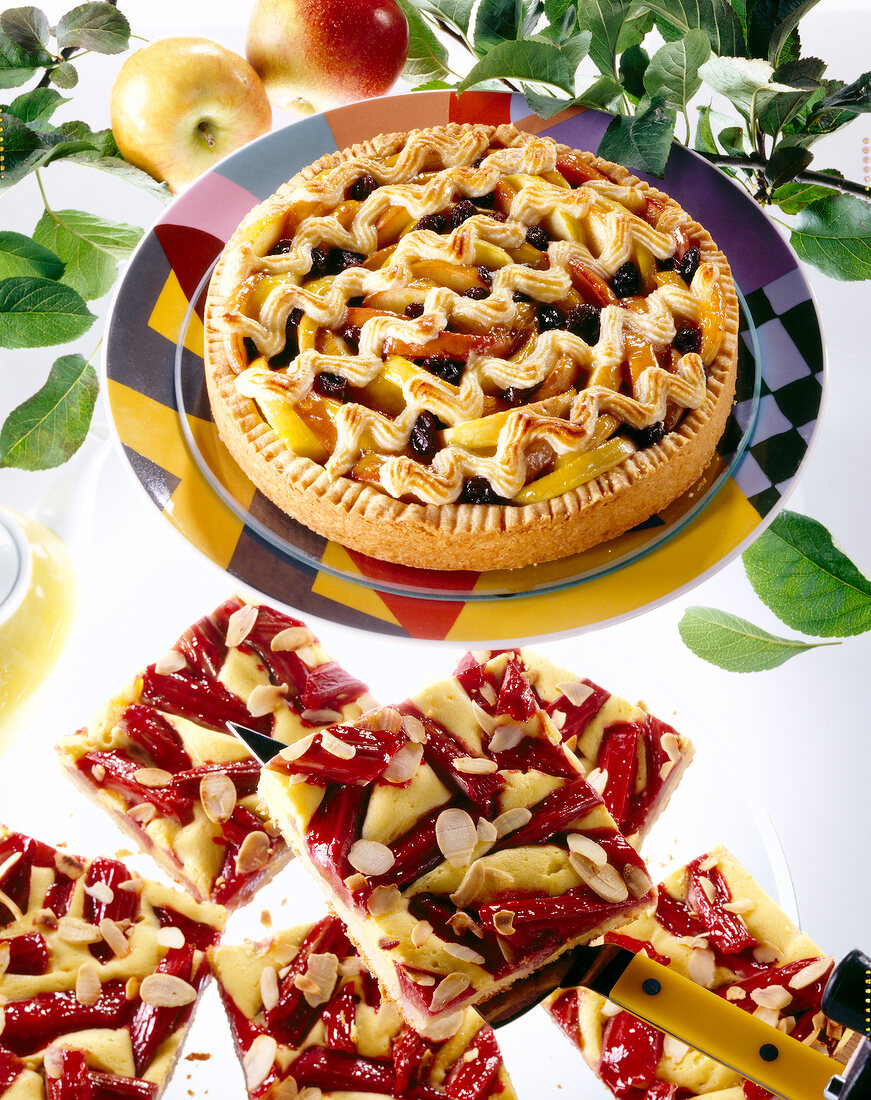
(330, 1059)
(477, 324)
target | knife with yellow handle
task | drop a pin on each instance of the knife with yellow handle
(691, 1013)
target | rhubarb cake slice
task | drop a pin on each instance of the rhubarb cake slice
(634, 759)
(100, 971)
(309, 1023)
(458, 868)
(714, 924)
(159, 756)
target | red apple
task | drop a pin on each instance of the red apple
(180, 104)
(316, 54)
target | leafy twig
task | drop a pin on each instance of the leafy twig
(837, 183)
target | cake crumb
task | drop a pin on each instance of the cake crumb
(124, 853)
(198, 1056)
(266, 918)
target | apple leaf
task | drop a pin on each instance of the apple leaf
(454, 13)
(735, 644)
(96, 26)
(89, 246)
(673, 72)
(855, 96)
(19, 255)
(37, 312)
(798, 572)
(49, 427)
(496, 21)
(20, 144)
(18, 65)
(37, 105)
(792, 197)
(716, 18)
(606, 19)
(634, 63)
(427, 57)
(747, 83)
(64, 75)
(641, 141)
(117, 166)
(771, 25)
(535, 60)
(785, 163)
(28, 27)
(834, 234)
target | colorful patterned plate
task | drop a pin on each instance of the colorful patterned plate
(157, 397)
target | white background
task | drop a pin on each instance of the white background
(797, 739)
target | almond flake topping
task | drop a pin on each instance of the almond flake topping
(335, 746)
(470, 1055)
(702, 966)
(355, 882)
(258, 1060)
(575, 691)
(152, 777)
(810, 973)
(486, 721)
(264, 699)
(768, 1016)
(383, 899)
(771, 996)
(67, 865)
(217, 797)
(587, 847)
(507, 736)
(604, 881)
(98, 772)
(735, 993)
(666, 769)
(671, 748)
(286, 1089)
(52, 1060)
(114, 937)
(142, 813)
(5, 952)
(88, 988)
(370, 857)
(462, 923)
(292, 638)
(254, 852)
(765, 952)
(448, 990)
(638, 881)
(475, 765)
(322, 717)
(503, 922)
(404, 764)
(456, 836)
(421, 933)
(170, 936)
(488, 693)
(269, 987)
(708, 863)
(708, 889)
(739, 906)
(598, 779)
(75, 930)
(240, 624)
(101, 891)
(384, 719)
(674, 1048)
(171, 661)
(511, 820)
(463, 953)
(414, 729)
(166, 991)
(319, 979)
(133, 885)
(11, 906)
(487, 831)
(298, 748)
(471, 886)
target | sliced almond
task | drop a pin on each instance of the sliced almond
(463, 953)
(666, 769)
(131, 988)
(88, 987)
(512, 820)
(171, 661)
(739, 906)
(370, 857)
(166, 991)
(448, 990)
(735, 993)
(269, 987)
(470, 1054)
(702, 966)
(708, 888)
(68, 865)
(5, 952)
(488, 693)
(8, 863)
(309, 655)
(421, 933)
(456, 835)
(133, 885)
(322, 717)
(506, 737)
(767, 1015)
(383, 899)
(414, 729)
(322, 973)
(471, 885)
(575, 691)
(609, 1010)
(355, 882)
(404, 764)
(487, 831)
(708, 863)
(810, 973)
(265, 698)
(335, 746)
(559, 720)
(486, 721)
(475, 765)
(771, 996)
(258, 1060)
(671, 747)
(462, 923)
(765, 952)
(114, 937)
(217, 797)
(152, 777)
(98, 772)
(383, 719)
(53, 1062)
(254, 852)
(586, 846)
(286, 1089)
(605, 881)
(170, 936)
(100, 891)
(298, 748)
(240, 624)
(637, 880)
(598, 779)
(142, 813)
(674, 1049)
(495, 878)
(503, 922)
(292, 638)
(76, 930)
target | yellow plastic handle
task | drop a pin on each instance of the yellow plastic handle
(723, 1031)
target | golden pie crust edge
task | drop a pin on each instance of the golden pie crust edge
(477, 537)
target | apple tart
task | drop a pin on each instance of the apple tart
(470, 348)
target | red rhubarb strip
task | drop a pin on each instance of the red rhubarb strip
(11, 1067)
(245, 775)
(231, 881)
(635, 946)
(73, 1082)
(652, 732)
(578, 716)
(409, 1049)
(204, 645)
(516, 697)
(119, 775)
(334, 1069)
(109, 1086)
(159, 740)
(725, 930)
(207, 702)
(554, 814)
(618, 756)
(334, 827)
(564, 1010)
(32, 1024)
(28, 954)
(328, 686)
(473, 1080)
(373, 750)
(442, 750)
(150, 1025)
(338, 1016)
(631, 1050)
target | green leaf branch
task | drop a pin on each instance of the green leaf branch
(811, 585)
(71, 257)
(746, 51)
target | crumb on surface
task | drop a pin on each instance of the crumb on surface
(266, 918)
(198, 1056)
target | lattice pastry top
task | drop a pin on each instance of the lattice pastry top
(467, 315)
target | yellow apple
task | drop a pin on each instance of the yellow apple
(317, 54)
(180, 104)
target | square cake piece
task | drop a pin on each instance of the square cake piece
(100, 971)
(714, 924)
(458, 863)
(632, 757)
(309, 1023)
(161, 760)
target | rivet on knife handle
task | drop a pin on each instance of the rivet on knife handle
(708, 1022)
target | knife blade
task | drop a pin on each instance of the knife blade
(261, 746)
